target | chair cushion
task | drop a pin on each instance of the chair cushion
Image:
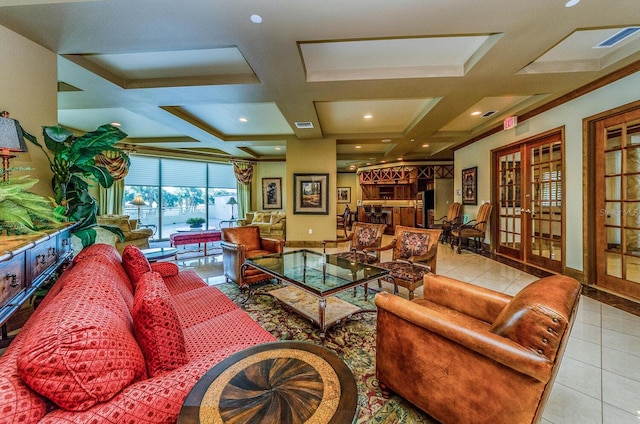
(364, 237)
(135, 263)
(157, 326)
(404, 271)
(413, 244)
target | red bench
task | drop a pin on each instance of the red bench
(193, 237)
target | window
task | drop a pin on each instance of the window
(175, 190)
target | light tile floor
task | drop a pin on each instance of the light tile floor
(599, 378)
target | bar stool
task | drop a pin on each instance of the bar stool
(378, 216)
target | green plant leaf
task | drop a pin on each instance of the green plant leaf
(86, 235)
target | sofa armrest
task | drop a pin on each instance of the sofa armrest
(483, 342)
(471, 300)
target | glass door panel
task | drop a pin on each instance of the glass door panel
(618, 220)
(510, 209)
(545, 208)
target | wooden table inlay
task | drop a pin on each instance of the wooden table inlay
(280, 382)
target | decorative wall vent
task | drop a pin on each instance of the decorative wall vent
(304, 125)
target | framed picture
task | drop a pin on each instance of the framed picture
(310, 194)
(470, 186)
(344, 195)
(271, 193)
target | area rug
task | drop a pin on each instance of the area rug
(353, 340)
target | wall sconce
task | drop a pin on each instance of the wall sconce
(11, 140)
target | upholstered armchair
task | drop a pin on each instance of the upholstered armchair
(240, 243)
(363, 235)
(474, 229)
(448, 221)
(415, 253)
(474, 355)
(138, 237)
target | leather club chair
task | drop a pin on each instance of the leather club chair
(239, 243)
(474, 355)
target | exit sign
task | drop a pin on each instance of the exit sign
(510, 122)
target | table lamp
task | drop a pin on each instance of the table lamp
(232, 201)
(138, 201)
(11, 140)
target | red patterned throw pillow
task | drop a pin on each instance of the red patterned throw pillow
(166, 269)
(81, 352)
(135, 263)
(157, 325)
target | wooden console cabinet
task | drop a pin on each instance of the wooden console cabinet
(26, 262)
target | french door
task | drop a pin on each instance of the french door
(528, 187)
(617, 197)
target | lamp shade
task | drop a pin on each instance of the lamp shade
(11, 138)
(139, 201)
(232, 201)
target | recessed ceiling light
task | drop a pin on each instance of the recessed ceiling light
(383, 161)
(368, 116)
(243, 120)
(116, 124)
(256, 19)
(386, 140)
(425, 145)
(278, 148)
(358, 147)
(368, 163)
(571, 3)
(476, 113)
(399, 158)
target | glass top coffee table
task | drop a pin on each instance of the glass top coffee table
(313, 279)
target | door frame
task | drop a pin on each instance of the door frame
(526, 188)
(590, 189)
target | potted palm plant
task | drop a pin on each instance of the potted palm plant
(72, 161)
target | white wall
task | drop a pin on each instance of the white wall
(570, 115)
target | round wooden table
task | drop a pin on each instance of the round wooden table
(280, 382)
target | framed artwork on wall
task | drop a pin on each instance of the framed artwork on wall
(271, 193)
(344, 195)
(310, 194)
(470, 186)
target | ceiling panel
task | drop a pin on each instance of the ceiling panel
(387, 116)
(391, 58)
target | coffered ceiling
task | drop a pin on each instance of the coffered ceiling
(199, 76)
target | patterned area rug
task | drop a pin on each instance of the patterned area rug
(354, 341)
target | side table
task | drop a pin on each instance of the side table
(157, 253)
(280, 382)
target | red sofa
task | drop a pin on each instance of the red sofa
(119, 340)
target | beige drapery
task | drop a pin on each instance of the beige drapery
(244, 174)
(110, 199)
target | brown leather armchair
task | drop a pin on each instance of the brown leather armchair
(474, 355)
(239, 243)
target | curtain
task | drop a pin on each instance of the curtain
(110, 199)
(244, 174)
